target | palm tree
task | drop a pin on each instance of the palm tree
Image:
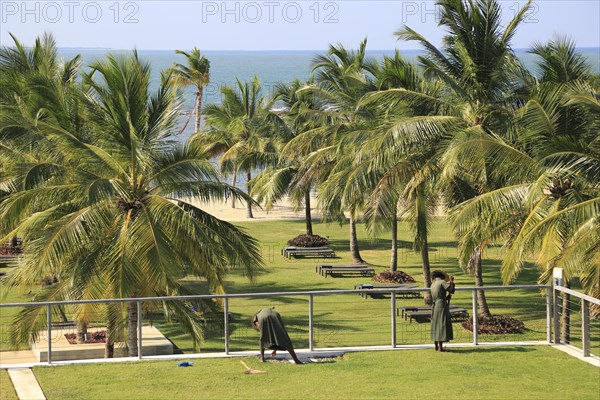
(196, 73)
(481, 73)
(342, 77)
(243, 119)
(413, 127)
(105, 210)
(300, 113)
(548, 205)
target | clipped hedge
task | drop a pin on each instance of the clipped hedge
(393, 277)
(308, 241)
(497, 325)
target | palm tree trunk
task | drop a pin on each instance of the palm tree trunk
(81, 331)
(233, 182)
(421, 240)
(483, 308)
(354, 250)
(198, 109)
(307, 215)
(426, 271)
(565, 318)
(132, 336)
(394, 259)
(248, 204)
(109, 345)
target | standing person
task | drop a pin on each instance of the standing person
(272, 333)
(442, 288)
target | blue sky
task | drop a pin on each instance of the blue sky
(269, 24)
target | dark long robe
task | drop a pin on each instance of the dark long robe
(272, 331)
(441, 323)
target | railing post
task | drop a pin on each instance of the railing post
(393, 312)
(555, 315)
(585, 327)
(549, 315)
(49, 331)
(311, 322)
(139, 326)
(226, 322)
(475, 318)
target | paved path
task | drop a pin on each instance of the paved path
(26, 386)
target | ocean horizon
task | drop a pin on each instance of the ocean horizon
(271, 66)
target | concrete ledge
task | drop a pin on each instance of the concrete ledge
(577, 353)
(153, 343)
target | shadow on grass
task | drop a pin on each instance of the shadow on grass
(490, 350)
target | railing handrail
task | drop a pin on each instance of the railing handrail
(578, 294)
(267, 294)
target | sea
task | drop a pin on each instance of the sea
(271, 67)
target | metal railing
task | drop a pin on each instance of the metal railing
(323, 318)
(567, 312)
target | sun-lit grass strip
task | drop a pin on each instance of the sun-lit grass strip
(7, 391)
(467, 373)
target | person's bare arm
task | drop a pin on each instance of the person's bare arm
(452, 286)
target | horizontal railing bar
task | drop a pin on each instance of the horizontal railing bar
(269, 294)
(577, 294)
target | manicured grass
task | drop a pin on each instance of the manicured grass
(483, 373)
(350, 320)
(347, 320)
(7, 391)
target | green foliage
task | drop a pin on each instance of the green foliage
(393, 277)
(497, 325)
(308, 241)
(102, 199)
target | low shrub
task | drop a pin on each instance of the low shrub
(10, 250)
(497, 325)
(308, 241)
(393, 277)
(92, 337)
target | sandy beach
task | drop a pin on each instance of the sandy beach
(282, 210)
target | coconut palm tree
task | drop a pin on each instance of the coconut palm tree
(482, 76)
(548, 205)
(342, 77)
(243, 118)
(196, 73)
(405, 148)
(300, 113)
(107, 213)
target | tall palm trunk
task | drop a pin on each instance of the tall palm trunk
(248, 204)
(233, 182)
(394, 259)
(307, 214)
(565, 318)
(111, 325)
(198, 109)
(132, 325)
(354, 250)
(482, 304)
(81, 331)
(421, 241)
(426, 271)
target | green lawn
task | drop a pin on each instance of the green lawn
(483, 373)
(7, 392)
(345, 320)
(349, 320)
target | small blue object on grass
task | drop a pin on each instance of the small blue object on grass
(185, 364)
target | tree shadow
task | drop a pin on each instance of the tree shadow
(468, 350)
